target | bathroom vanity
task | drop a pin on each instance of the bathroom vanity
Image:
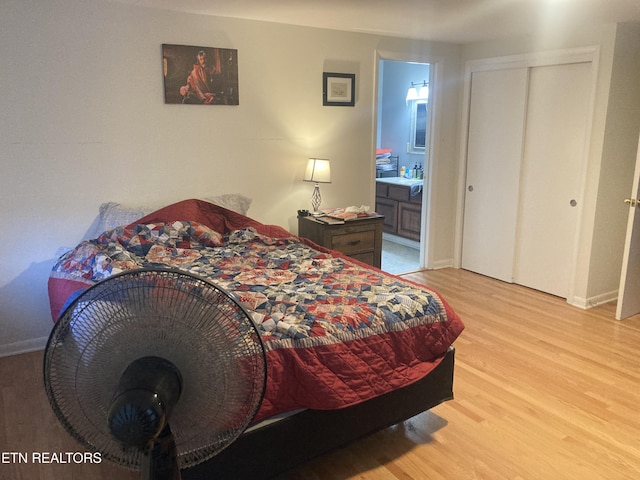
(400, 201)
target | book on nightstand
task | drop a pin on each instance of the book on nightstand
(337, 215)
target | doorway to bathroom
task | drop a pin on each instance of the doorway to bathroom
(402, 161)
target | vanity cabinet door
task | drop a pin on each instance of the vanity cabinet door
(409, 220)
(402, 212)
(388, 208)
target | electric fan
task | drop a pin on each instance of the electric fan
(156, 369)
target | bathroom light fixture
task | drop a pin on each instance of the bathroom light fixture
(318, 171)
(423, 93)
(414, 94)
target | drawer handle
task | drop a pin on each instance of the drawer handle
(353, 243)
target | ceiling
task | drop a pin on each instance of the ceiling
(457, 21)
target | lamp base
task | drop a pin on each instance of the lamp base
(316, 199)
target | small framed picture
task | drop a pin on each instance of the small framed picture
(338, 89)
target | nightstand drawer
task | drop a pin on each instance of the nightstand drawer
(367, 257)
(360, 239)
(350, 243)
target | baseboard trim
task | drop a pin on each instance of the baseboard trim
(586, 303)
(24, 346)
(437, 265)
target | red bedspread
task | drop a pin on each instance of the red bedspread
(336, 332)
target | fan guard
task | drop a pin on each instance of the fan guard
(180, 318)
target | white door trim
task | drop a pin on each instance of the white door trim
(427, 232)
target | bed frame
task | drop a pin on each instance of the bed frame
(258, 454)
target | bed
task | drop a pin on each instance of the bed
(350, 349)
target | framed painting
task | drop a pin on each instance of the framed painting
(338, 89)
(200, 75)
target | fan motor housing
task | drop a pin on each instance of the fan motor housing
(148, 390)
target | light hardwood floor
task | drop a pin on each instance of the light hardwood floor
(543, 391)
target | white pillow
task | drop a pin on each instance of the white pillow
(231, 201)
(112, 215)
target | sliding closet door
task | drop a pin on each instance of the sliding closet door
(494, 153)
(552, 169)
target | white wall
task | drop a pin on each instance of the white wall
(83, 122)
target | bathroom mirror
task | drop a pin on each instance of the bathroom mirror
(418, 132)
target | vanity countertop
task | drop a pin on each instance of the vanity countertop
(408, 182)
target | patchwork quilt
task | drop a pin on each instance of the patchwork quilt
(336, 332)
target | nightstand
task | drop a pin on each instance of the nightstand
(360, 239)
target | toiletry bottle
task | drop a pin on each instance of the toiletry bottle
(402, 171)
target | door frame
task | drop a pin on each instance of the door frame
(528, 60)
(427, 230)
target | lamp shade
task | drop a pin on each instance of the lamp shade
(412, 93)
(318, 170)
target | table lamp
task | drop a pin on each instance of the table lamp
(318, 171)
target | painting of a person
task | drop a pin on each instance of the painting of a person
(199, 75)
(200, 87)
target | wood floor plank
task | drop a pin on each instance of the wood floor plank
(542, 390)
